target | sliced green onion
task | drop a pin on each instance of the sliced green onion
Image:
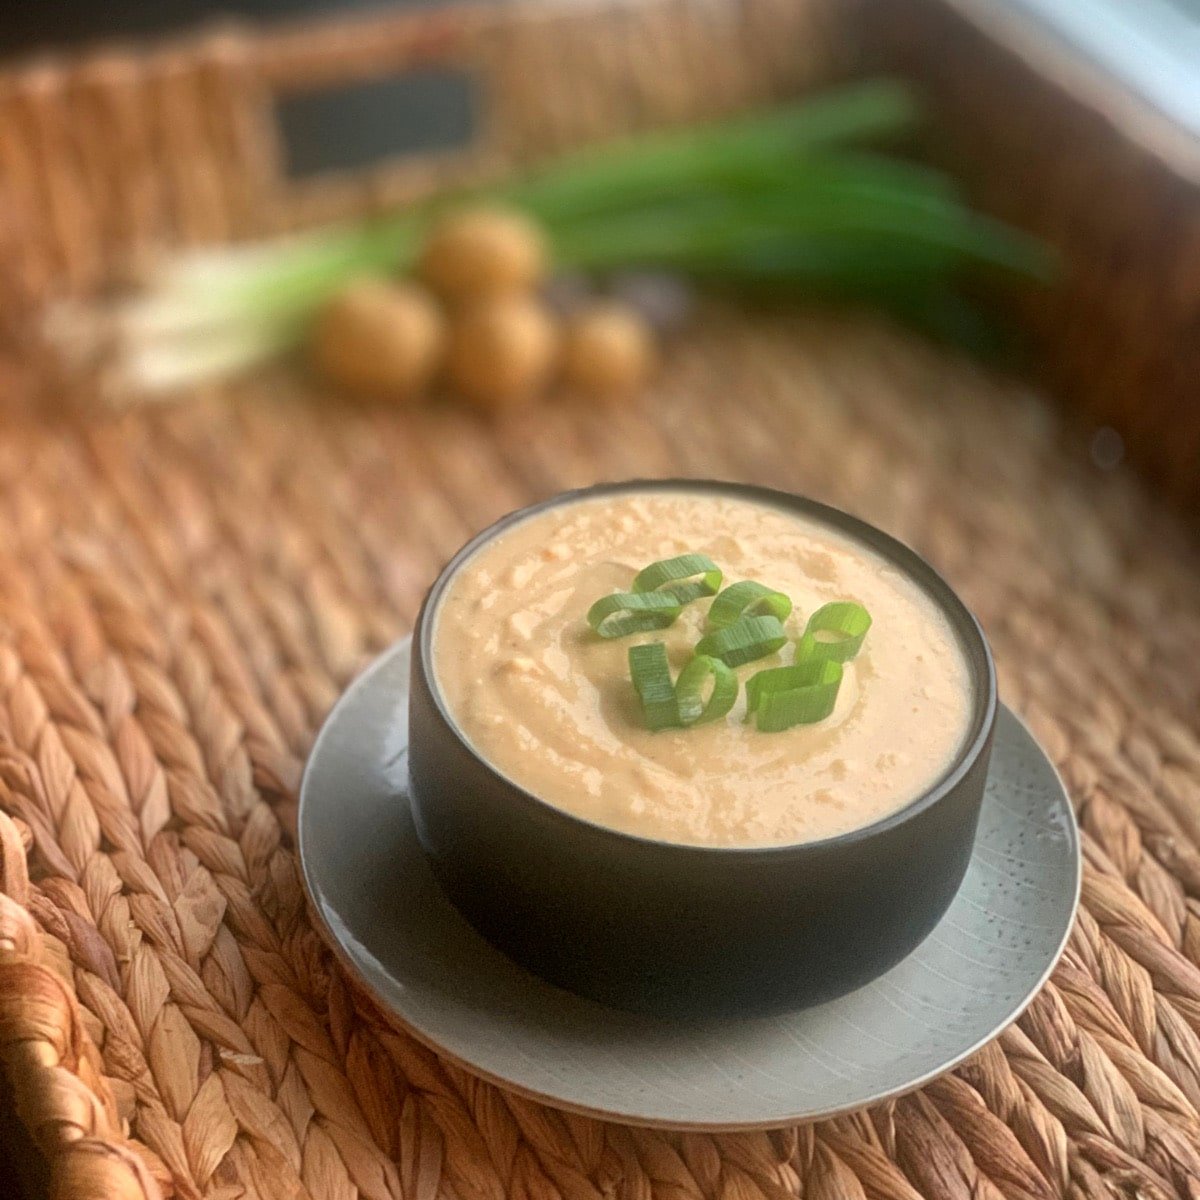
(686, 577)
(623, 613)
(745, 640)
(689, 690)
(802, 694)
(651, 676)
(777, 679)
(835, 631)
(806, 647)
(747, 599)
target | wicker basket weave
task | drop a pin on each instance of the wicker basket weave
(184, 592)
(127, 150)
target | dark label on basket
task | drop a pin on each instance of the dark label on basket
(374, 121)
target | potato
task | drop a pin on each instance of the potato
(502, 351)
(380, 339)
(476, 253)
(608, 350)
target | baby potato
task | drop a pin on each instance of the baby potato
(501, 353)
(608, 350)
(476, 253)
(379, 338)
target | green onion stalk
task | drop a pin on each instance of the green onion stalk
(788, 201)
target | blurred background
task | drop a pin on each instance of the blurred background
(1074, 124)
(1153, 46)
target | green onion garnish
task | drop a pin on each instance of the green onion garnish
(835, 631)
(623, 613)
(802, 694)
(747, 599)
(745, 640)
(689, 690)
(686, 577)
(652, 681)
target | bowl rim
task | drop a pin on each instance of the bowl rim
(966, 626)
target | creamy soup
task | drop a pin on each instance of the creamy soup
(550, 704)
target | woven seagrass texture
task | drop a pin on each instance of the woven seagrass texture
(183, 594)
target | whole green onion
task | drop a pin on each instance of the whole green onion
(783, 199)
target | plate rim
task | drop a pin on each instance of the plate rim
(333, 943)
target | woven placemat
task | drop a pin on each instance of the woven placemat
(183, 594)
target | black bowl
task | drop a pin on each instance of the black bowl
(678, 929)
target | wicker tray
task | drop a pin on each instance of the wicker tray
(184, 592)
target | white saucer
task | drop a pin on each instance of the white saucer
(388, 923)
